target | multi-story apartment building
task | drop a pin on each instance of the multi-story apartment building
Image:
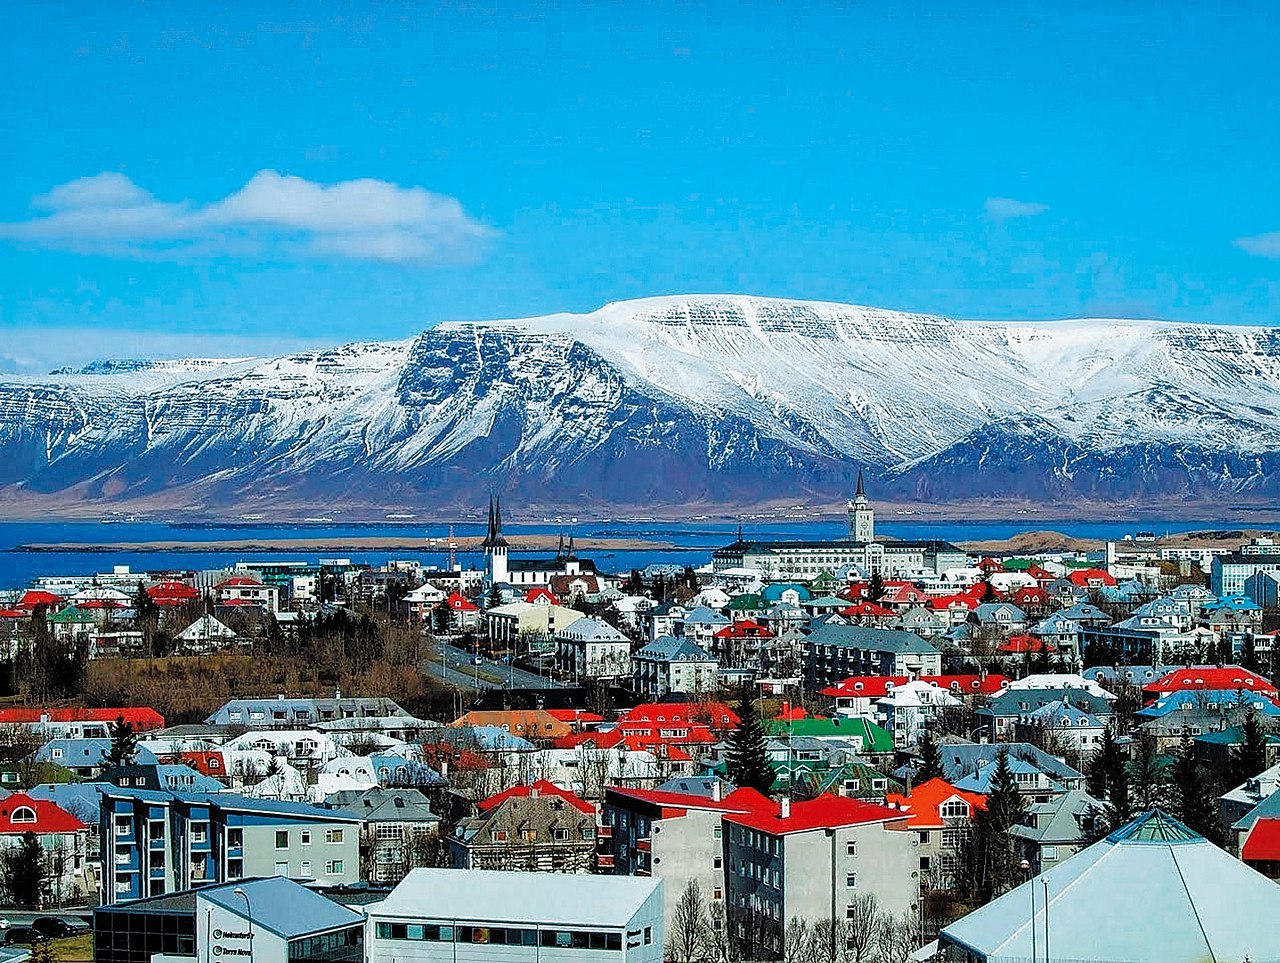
(1229, 573)
(670, 664)
(591, 648)
(286, 713)
(675, 835)
(835, 652)
(159, 842)
(809, 860)
(533, 831)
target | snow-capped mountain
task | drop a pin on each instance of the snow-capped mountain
(719, 400)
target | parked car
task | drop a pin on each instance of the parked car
(22, 934)
(56, 928)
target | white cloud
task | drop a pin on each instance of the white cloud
(1005, 208)
(1262, 245)
(361, 219)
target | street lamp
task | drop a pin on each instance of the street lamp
(1026, 868)
(239, 891)
(1045, 881)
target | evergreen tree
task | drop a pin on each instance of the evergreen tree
(992, 865)
(1148, 779)
(124, 744)
(747, 760)
(1251, 757)
(1195, 793)
(23, 871)
(495, 597)
(930, 759)
(875, 587)
(1249, 654)
(1108, 782)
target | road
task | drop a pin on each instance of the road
(458, 669)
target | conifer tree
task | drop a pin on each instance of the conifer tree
(930, 758)
(23, 871)
(124, 744)
(992, 864)
(1195, 793)
(1148, 779)
(747, 762)
(1251, 757)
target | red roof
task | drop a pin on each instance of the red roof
(717, 715)
(868, 686)
(1263, 841)
(1084, 576)
(459, 603)
(1024, 643)
(574, 715)
(14, 613)
(991, 565)
(867, 610)
(102, 604)
(142, 718)
(924, 802)
(49, 817)
(825, 812)
(1210, 677)
(540, 788)
(172, 593)
(1028, 595)
(789, 713)
(746, 629)
(205, 762)
(34, 597)
(541, 593)
(239, 581)
(744, 800)
(962, 600)
(984, 684)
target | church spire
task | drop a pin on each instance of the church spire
(493, 536)
(861, 491)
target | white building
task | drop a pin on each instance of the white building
(591, 648)
(669, 664)
(478, 916)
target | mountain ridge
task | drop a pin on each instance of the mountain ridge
(709, 399)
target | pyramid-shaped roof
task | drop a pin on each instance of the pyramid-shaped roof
(1154, 891)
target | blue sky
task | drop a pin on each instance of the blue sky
(193, 178)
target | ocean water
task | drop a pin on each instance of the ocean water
(694, 540)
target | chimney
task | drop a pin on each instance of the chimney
(785, 811)
(534, 792)
(715, 789)
(444, 768)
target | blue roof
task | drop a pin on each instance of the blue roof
(773, 592)
(1155, 826)
(227, 801)
(485, 738)
(87, 752)
(1210, 699)
(417, 772)
(199, 782)
(283, 907)
(980, 781)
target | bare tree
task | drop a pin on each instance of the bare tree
(692, 939)
(896, 939)
(861, 927)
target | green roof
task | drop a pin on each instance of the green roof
(1017, 564)
(1155, 826)
(71, 614)
(874, 738)
(828, 601)
(1232, 736)
(743, 603)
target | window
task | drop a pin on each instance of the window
(560, 835)
(199, 832)
(333, 867)
(282, 839)
(306, 837)
(716, 832)
(235, 838)
(955, 809)
(716, 862)
(851, 880)
(924, 862)
(304, 868)
(333, 835)
(1049, 852)
(24, 814)
(851, 848)
(648, 935)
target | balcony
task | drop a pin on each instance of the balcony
(644, 845)
(604, 832)
(604, 860)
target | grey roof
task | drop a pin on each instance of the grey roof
(379, 805)
(590, 629)
(553, 899)
(87, 752)
(869, 639)
(987, 611)
(959, 759)
(283, 907)
(1058, 821)
(1153, 892)
(1010, 701)
(696, 786)
(1268, 808)
(704, 615)
(314, 708)
(668, 648)
(1052, 713)
(1084, 612)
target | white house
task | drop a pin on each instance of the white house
(591, 648)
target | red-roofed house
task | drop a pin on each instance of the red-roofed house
(718, 716)
(1022, 644)
(954, 609)
(247, 590)
(206, 762)
(1261, 846)
(172, 594)
(463, 613)
(865, 613)
(675, 835)
(856, 695)
(803, 858)
(541, 595)
(1091, 578)
(79, 723)
(1197, 677)
(941, 816)
(961, 685)
(538, 788)
(1031, 600)
(64, 841)
(33, 597)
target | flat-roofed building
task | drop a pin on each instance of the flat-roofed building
(461, 916)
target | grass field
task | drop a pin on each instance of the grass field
(75, 949)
